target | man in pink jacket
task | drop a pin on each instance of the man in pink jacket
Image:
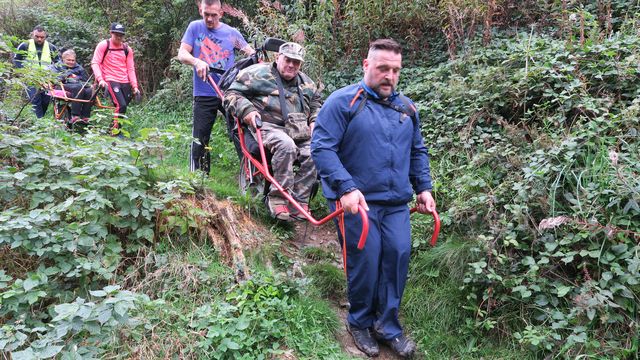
(113, 67)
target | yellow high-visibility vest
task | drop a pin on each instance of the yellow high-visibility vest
(32, 55)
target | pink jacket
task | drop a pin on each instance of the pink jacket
(115, 67)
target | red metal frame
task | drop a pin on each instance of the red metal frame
(263, 168)
(95, 100)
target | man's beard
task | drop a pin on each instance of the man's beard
(378, 90)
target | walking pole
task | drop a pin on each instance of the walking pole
(86, 82)
(22, 108)
(25, 104)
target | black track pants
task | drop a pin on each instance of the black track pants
(205, 110)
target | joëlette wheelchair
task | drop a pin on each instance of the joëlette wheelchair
(62, 105)
(255, 173)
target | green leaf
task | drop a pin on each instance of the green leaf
(619, 248)
(20, 175)
(145, 233)
(26, 354)
(30, 283)
(4, 279)
(524, 292)
(67, 203)
(243, 323)
(631, 204)
(33, 296)
(111, 288)
(93, 327)
(121, 308)
(104, 316)
(541, 300)
(230, 344)
(53, 270)
(594, 254)
(50, 351)
(580, 338)
(86, 240)
(65, 310)
(563, 290)
(98, 293)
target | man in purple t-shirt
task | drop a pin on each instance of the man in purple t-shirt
(208, 42)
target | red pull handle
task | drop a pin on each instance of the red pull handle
(365, 227)
(436, 228)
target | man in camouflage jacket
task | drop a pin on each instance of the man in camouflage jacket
(286, 133)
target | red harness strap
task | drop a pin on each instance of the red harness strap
(355, 98)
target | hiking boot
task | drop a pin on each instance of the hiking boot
(74, 119)
(401, 345)
(364, 341)
(297, 215)
(278, 211)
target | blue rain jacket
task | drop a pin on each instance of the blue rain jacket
(379, 150)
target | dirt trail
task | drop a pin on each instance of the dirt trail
(325, 237)
(232, 231)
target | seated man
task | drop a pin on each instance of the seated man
(73, 78)
(288, 103)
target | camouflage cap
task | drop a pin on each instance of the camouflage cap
(292, 51)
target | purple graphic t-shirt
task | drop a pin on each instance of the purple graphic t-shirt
(215, 47)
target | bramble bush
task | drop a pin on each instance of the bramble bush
(73, 208)
(534, 145)
(81, 214)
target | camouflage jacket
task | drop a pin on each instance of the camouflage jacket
(255, 89)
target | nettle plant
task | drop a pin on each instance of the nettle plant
(251, 323)
(72, 209)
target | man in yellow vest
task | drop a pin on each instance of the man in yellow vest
(37, 53)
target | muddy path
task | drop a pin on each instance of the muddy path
(325, 237)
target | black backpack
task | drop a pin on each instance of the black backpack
(406, 109)
(229, 76)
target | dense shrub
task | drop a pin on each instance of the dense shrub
(535, 149)
(259, 319)
(72, 209)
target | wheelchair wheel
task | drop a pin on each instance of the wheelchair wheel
(251, 182)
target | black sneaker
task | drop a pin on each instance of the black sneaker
(364, 341)
(402, 345)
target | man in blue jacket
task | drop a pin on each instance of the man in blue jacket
(369, 152)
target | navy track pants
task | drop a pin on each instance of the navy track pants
(377, 275)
